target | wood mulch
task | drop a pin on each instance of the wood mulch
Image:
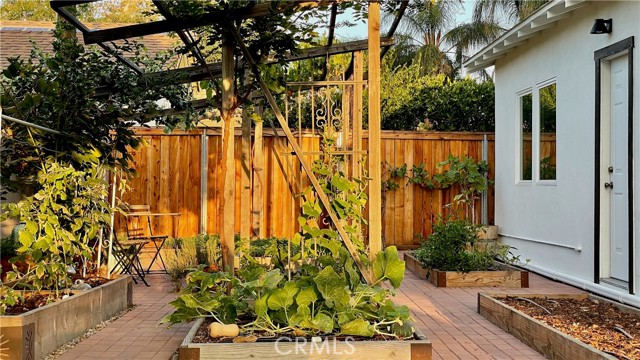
(599, 324)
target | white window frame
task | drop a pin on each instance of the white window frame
(518, 158)
(536, 130)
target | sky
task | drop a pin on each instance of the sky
(360, 30)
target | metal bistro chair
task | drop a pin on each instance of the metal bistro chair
(127, 257)
(137, 229)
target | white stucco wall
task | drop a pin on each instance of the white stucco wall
(562, 213)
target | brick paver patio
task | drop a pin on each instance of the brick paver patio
(447, 316)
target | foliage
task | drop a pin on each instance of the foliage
(469, 175)
(409, 99)
(59, 92)
(446, 248)
(318, 300)
(8, 246)
(62, 221)
(346, 195)
(119, 11)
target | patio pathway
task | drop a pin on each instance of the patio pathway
(447, 316)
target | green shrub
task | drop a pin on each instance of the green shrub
(446, 248)
(461, 105)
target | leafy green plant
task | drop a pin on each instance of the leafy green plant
(318, 300)
(66, 92)
(62, 220)
(469, 175)
(446, 248)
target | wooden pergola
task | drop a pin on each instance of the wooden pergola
(376, 46)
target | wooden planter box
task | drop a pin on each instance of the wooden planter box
(551, 343)
(418, 349)
(512, 278)
(37, 333)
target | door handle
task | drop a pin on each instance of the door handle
(608, 185)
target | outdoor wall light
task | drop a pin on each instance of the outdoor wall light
(602, 26)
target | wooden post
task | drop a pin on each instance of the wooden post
(257, 214)
(226, 213)
(375, 171)
(245, 177)
(358, 67)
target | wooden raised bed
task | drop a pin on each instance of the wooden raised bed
(37, 333)
(511, 278)
(418, 349)
(546, 340)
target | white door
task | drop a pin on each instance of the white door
(619, 162)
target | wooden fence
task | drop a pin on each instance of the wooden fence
(169, 179)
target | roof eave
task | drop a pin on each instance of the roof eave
(533, 25)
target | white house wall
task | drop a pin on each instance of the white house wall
(562, 214)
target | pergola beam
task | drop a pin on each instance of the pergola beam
(211, 18)
(58, 6)
(182, 34)
(197, 73)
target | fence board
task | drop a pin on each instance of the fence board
(168, 179)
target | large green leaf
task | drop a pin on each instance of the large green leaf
(302, 318)
(389, 266)
(358, 327)
(306, 296)
(323, 323)
(260, 307)
(283, 298)
(332, 287)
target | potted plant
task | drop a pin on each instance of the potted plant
(450, 257)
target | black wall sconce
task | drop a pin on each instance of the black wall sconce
(602, 26)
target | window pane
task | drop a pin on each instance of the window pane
(548, 132)
(526, 117)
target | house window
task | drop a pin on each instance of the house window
(526, 126)
(547, 136)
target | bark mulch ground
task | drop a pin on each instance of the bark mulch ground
(598, 324)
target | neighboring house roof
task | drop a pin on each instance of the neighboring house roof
(16, 37)
(532, 26)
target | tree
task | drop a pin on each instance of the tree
(111, 11)
(513, 10)
(425, 22)
(58, 92)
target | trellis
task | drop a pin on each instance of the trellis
(225, 70)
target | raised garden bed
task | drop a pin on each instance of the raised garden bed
(593, 321)
(511, 277)
(36, 333)
(291, 348)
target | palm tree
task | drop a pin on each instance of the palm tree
(425, 22)
(512, 10)
(468, 36)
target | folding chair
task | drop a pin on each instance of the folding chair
(127, 256)
(137, 229)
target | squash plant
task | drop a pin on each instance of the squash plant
(318, 299)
